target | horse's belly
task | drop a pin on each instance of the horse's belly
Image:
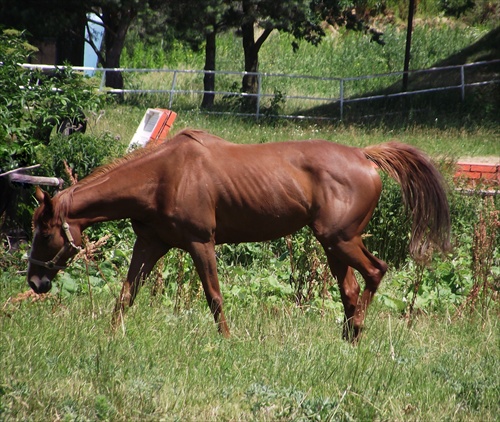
(245, 226)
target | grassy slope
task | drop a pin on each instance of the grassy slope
(340, 54)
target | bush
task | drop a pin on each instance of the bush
(33, 102)
(82, 153)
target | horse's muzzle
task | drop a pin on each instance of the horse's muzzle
(40, 285)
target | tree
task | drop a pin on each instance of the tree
(65, 20)
(117, 16)
(59, 20)
(197, 23)
(301, 18)
(258, 18)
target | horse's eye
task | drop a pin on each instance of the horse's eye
(47, 235)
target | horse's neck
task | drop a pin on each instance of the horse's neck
(105, 199)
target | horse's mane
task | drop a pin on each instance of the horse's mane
(197, 135)
(106, 168)
(65, 197)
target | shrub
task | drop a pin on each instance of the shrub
(82, 153)
(32, 103)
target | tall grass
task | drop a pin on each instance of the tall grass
(59, 362)
(341, 53)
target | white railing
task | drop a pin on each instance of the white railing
(329, 89)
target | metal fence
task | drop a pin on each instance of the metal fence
(294, 95)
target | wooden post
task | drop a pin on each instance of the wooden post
(409, 30)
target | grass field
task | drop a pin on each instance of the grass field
(59, 360)
(447, 142)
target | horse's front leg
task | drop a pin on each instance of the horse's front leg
(145, 255)
(203, 255)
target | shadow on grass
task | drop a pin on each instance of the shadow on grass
(481, 103)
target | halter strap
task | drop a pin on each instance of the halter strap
(52, 264)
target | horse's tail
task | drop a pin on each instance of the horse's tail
(423, 191)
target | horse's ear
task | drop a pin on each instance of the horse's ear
(44, 198)
(39, 195)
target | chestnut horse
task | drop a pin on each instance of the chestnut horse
(197, 190)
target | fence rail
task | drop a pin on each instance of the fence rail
(330, 90)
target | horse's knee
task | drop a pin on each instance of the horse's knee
(350, 296)
(352, 291)
(215, 303)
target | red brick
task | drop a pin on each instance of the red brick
(489, 176)
(483, 168)
(460, 174)
(474, 175)
(463, 167)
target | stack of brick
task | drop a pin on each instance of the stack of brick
(476, 174)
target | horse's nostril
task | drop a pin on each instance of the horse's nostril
(40, 285)
(33, 286)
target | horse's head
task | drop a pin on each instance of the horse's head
(54, 243)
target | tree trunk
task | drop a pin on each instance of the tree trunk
(116, 24)
(251, 52)
(409, 31)
(209, 78)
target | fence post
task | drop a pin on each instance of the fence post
(462, 82)
(171, 98)
(341, 98)
(259, 84)
(103, 80)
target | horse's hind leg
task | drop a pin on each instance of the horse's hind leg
(343, 256)
(349, 293)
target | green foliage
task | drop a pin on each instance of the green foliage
(33, 102)
(82, 153)
(388, 232)
(168, 359)
(448, 283)
(280, 349)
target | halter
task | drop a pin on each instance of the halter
(51, 265)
